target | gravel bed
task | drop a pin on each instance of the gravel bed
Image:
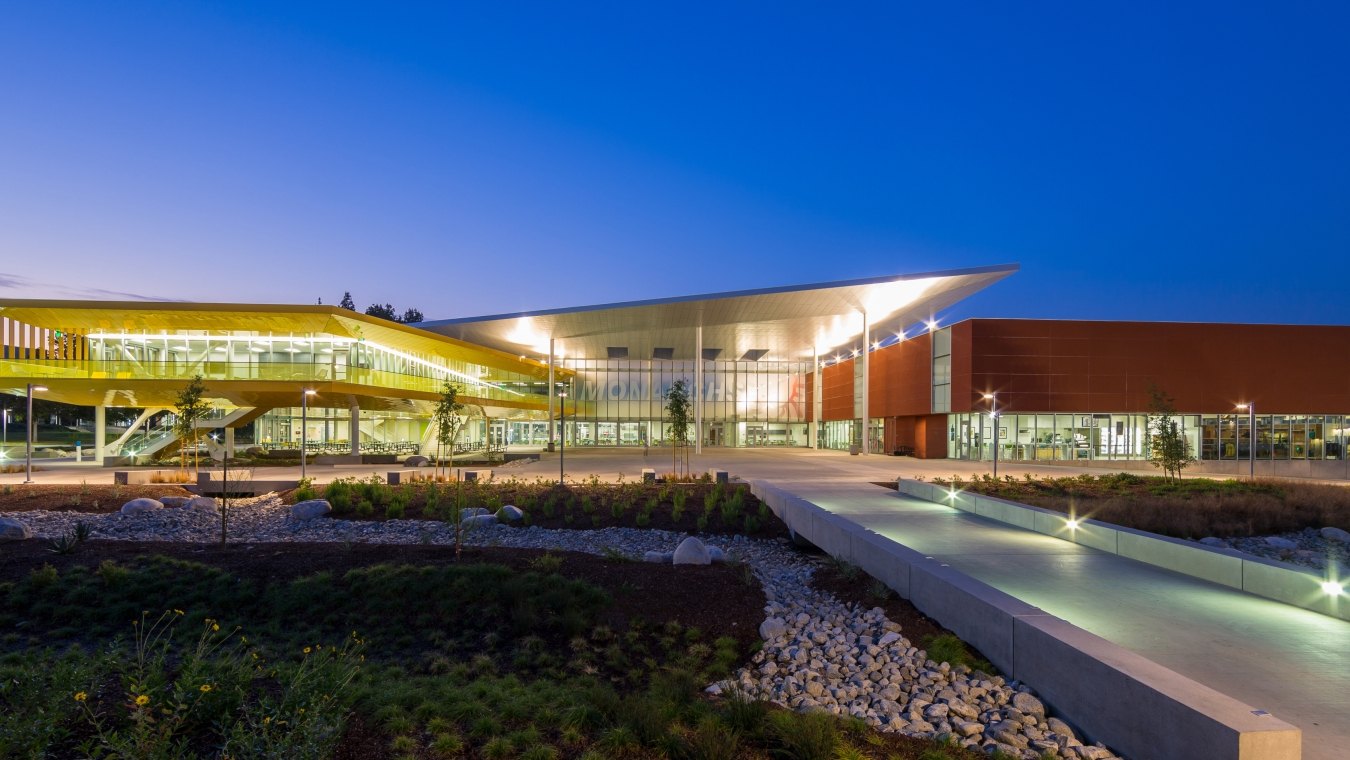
(1312, 548)
(819, 653)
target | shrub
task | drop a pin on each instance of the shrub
(804, 736)
(364, 508)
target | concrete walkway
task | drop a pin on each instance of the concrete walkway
(1292, 662)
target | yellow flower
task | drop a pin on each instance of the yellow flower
(80, 696)
(267, 719)
(204, 688)
(142, 700)
(215, 626)
(178, 612)
(307, 650)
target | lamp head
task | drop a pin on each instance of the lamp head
(39, 388)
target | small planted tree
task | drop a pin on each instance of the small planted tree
(678, 410)
(1168, 450)
(189, 408)
(447, 419)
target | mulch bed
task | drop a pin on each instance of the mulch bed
(88, 498)
(656, 593)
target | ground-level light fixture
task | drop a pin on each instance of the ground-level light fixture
(1333, 588)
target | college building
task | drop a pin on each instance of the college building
(865, 365)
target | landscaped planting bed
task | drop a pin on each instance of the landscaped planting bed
(82, 497)
(1191, 508)
(700, 507)
(384, 651)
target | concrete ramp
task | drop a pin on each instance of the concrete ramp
(1112, 694)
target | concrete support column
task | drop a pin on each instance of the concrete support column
(866, 384)
(100, 432)
(229, 441)
(354, 428)
(552, 392)
(698, 390)
(816, 396)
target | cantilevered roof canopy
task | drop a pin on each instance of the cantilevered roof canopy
(789, 323)
(261, 320)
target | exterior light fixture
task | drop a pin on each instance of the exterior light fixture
(304, 425)
(28, 433)
(562, 436)
(993, 421)
(1251, 443)
(1072, 523)
(1333, 588)
(932, 325)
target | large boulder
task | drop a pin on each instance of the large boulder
(203, 503)
(716, 554)
(141, 506)
(416, 460)
(13, 530)
(174, 502)
(1279, 542)
(656, 558)
(478, 521)
(471, 512)
(310, 509)
(691, 551)
(1336, 534)
(510, 513)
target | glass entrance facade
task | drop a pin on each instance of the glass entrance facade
(744, 404)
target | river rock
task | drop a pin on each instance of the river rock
(472, 512)
(140, 506)
(308, 510)
(656, 558)
(1212, 541)
(691, 551)
(1278, 542)
(1028, 704)
(203, 503)
(13, 530)
(416, 460)
(479, 521)
(772, 628)
(1336, 534)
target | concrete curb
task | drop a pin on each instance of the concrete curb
(1111, 694)
(1267, 578)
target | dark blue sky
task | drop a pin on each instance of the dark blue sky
(1140, 161)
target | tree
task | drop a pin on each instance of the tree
(383, 311)
(412, 315)
(189, 408)
(347, 302)
(449, 419)
(1168, 450)
(677, 418)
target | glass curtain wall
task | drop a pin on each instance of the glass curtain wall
(1095, 436)
(745, 404)
(1287, 437)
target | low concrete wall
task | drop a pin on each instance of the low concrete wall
(1111, 694)
(1271, 579)
(207, 486)
(143, 477)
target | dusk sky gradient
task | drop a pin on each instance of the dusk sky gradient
(1179, 161)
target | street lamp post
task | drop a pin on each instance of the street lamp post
(562, 435)
(28, 434)
(993, 419)
(4, 431)
(304, 420)
(1251, 440)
